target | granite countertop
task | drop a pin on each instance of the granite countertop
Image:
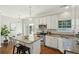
(63, 36)
(70, 35)
(61, 33)
(27, 41)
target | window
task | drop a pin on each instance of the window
(64, 24)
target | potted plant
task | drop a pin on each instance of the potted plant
(5, 32)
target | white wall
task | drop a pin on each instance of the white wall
(8, 21)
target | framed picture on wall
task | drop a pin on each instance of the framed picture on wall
(12, 27)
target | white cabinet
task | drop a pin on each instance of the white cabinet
(53, 22)
(48, 22)
(47, 41)
(43, 20)
(36, 22)
(76, 21)
(60, 44)
(54, 42)
(51, 42)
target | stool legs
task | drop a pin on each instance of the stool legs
(18, 50)
(29, 50)
(64, 51)
(13, 49)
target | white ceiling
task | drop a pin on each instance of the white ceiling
(23, 10)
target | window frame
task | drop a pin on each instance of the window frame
(64, 24)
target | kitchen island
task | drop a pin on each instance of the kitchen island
(60, 42)
(34, 45)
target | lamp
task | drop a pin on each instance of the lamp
(31, 26)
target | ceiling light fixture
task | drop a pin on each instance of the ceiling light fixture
(30, 12)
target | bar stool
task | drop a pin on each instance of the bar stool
(25, 49)
(21, 49)
(17, 47)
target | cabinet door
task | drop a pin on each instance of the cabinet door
(47, 41)
(41, 21)
(53, 22)
(60, 44)
(49, 22)
(51, 42)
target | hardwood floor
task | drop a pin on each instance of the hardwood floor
(47, 50)
(44, 50)
(6, 49)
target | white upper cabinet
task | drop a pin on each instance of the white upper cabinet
(77, 19)
(48, 22)
(54, 22)
(43, 20)
(36, 23)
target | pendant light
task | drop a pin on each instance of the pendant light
(30, 12)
